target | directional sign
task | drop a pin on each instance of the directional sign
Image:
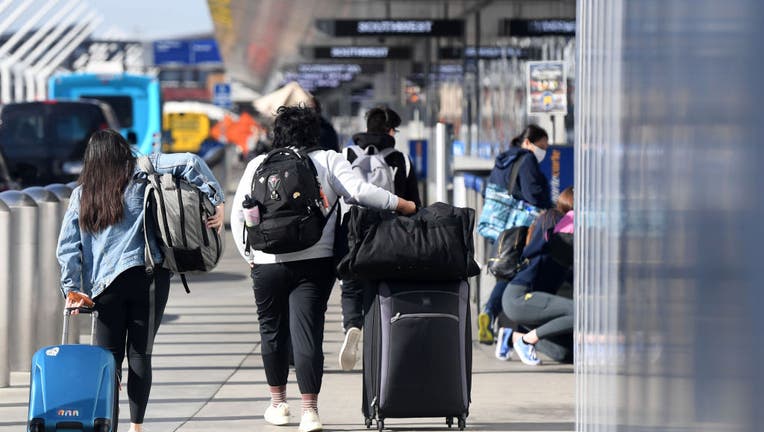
(340, 52)
(392, 27)
(488, 52)
(538, 27)
(221, 95)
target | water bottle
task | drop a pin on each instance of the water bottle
(251, 211)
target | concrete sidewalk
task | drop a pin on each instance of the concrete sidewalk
(208, 373)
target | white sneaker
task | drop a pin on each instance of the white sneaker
(310, 421)
(349, 350)
(277, 415)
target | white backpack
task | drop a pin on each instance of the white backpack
(370, 164)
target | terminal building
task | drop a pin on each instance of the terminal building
(651, 109)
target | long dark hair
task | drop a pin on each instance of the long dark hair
(297, 126)
(549, 218)
(109, 163)
(532, 133)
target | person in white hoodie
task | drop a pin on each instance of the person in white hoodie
(292, 289)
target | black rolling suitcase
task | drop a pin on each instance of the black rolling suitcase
(417, 352)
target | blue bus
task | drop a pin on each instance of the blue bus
(135, 99)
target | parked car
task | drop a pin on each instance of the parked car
(44, 142)
(6, 182)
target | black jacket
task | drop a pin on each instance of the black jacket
(328, 138)
(406, 185)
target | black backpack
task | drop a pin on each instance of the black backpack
(287, 191)
(508, 261)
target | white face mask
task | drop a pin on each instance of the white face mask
(539, 153)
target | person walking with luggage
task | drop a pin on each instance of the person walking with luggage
(505, 208)
(292, 289)
(381, 126)
(101, 251)
(530, 298)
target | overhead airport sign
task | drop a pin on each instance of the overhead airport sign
(329, 68)
(186, 52)
(356, 68)
(488, 52)
(319, 76)
(359, 52)
(392, 27)
(538, 27)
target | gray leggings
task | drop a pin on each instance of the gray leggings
(549, 314)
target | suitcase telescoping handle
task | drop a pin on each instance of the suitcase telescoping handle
(87, 310)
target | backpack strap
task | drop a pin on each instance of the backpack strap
(514, 173)
(407, 161)
(148, 259)
(145, 165)
(352, 152)
(185, 283)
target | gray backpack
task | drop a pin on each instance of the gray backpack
(177, 212)
(370, 164)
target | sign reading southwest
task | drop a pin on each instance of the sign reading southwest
(392, 27)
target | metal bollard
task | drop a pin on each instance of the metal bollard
(49, 301)
(24, 275)
(63, 192)
(5, 294)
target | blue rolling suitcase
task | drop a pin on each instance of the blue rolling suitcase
(73, 387)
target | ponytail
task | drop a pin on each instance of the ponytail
(532, 133)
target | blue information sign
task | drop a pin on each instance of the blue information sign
(186, 52)
(171, 52)
(205, 51)
(221, 95)
(557, 166)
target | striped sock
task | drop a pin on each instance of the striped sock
(310, 402)
(278, 395)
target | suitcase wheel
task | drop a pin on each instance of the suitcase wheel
(380, 425)
(449, 422)
(462, 422)
(367, 422)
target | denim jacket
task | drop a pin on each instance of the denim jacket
(91, 261)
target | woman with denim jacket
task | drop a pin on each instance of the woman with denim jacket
(101, 251)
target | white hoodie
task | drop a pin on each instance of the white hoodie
(337, 180)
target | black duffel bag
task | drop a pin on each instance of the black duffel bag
(433, 244)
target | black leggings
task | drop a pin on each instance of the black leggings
(123, 321)
(291, 302)
(549, 314)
